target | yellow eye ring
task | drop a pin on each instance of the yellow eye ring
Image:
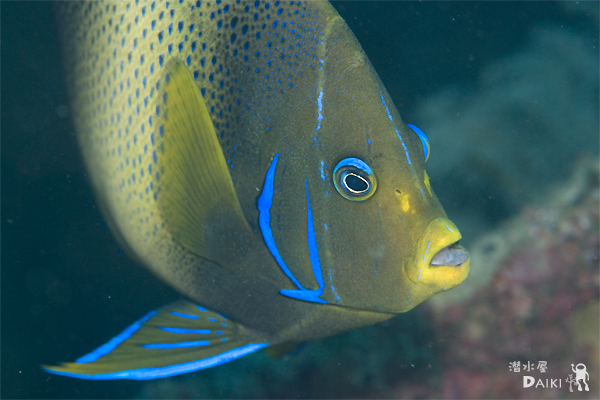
(354, 179)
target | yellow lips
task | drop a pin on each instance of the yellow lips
(439, 262)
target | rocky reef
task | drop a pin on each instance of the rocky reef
(533, 297)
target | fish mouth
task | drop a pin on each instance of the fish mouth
(453, 255)
(440, 262)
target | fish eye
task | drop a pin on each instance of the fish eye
(354, 179)
(424, 139)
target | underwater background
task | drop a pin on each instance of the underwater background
(508, 95)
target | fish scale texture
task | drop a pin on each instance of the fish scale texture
(246, 57)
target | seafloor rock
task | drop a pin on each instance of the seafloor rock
(537, 301)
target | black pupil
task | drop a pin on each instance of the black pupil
(355, 183)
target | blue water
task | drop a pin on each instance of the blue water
(67, 287)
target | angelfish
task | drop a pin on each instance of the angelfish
(248, 154)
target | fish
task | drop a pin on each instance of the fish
(247, 154)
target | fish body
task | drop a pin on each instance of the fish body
(248, 154)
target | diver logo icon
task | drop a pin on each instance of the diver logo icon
(581, 376)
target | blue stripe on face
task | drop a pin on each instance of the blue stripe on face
(312, 245)
(424, 139)
(396, 129)
(265, 201)
(322, 170)
(114, 342)
(161, 372)
(320, 117)
(304, 295)
(313, 253)
(181, 330)
(194, 343)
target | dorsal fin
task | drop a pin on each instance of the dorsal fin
(196, 191)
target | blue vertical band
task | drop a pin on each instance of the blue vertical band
(312, 245)
(424, 139)
(313, 254)
(265, 201)
(396, 129)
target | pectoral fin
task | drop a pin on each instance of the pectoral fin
(195, 189)
(178, 338)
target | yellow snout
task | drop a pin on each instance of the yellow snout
(439, 262)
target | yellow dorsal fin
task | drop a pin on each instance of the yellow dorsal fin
(196, 191)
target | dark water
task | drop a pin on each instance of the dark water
(67, 287)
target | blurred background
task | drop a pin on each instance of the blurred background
(507, 93)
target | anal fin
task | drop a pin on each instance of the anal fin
(178, 338)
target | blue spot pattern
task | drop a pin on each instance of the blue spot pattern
(277, 54)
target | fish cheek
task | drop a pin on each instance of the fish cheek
(402, 214)
(367, 241)
(356, 257)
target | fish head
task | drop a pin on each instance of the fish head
(382, 240)
(388, 230)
